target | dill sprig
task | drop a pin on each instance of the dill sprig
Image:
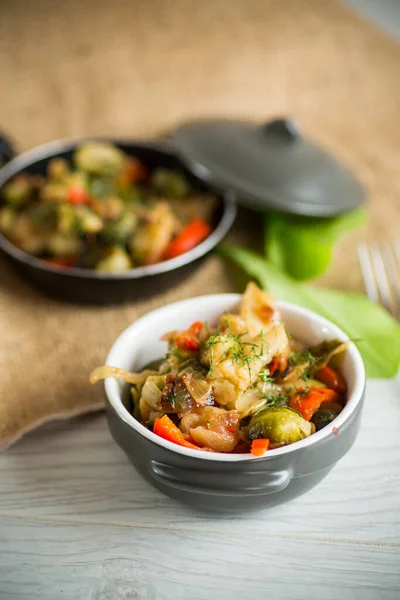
(301, 359)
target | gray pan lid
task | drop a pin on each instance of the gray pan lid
(270, 166)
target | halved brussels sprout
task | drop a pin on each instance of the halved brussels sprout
(87, 221)
(43, 215)
(279, 425)
(169, 183)
(119, 231)
(115, 261)
(325, 414)
(18, 191)
(63, 244)
(8, 218)
(25, 236)
(57, 169)
(153, 236)
(109, 207)
(54, 192)
(99, 158)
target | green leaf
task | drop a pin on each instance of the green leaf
(376, 332)
(303, 246)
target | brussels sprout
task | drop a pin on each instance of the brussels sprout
(43, 216)
(8, 217)
(115, 261)
(77, 179)
(280, 425)
(153, 235)
(100, 187)
(325, 414)
(87, 221)
(119, 231)
(66, 219)
(169, 183)
(54, 192)
(18, 191)
(99, 158)
(62, 245)
(57, 169)
(26, 237)
(110, 207)
(90, 255)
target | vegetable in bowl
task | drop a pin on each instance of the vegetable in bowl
(105, 210)
(240, 385)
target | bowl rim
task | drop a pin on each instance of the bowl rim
(114, 396)
(51, 149)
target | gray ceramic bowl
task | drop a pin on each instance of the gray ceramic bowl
(87, 285)
(228, 482)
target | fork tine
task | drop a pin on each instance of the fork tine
(381, 277)
(393, 275)
(368, 272)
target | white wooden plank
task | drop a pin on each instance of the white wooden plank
(76, 472)
(92, 562)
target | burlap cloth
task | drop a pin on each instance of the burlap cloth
(138, 68)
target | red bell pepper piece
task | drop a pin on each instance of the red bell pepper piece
(307, 403)
(259, 446)
(166, 429)
(190, 236)
(78, 195)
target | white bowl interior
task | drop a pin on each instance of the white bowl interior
(140, 344)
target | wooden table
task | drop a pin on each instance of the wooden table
(77, 522)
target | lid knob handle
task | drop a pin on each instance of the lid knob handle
(285, 130)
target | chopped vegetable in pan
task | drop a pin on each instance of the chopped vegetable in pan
(107, 211)
(243, 384)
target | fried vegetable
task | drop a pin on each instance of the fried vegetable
(54, 192)
(99, 158)
(332, 378)
(326, 414)
(307, 402)
(153, 236)
(280, 426)
(224, 388)
(200, 390)
(87, 221)
(107, 371)
(166, 429)
(169, 183)
(324, 352)
(109, 208)
(63, 244)
(25, 236)
(116, 260)
(43, 216)
(259, 446)
(152, 391)
(212, 428)
(8, 218)
(225, 393)
(101, 200)
(18, 191)
(258, 310)
(189, 237)
(121, 230)
(250, 402)
(67, 221)
(58, 169)
(239, 359)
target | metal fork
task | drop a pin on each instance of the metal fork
(380, 267)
